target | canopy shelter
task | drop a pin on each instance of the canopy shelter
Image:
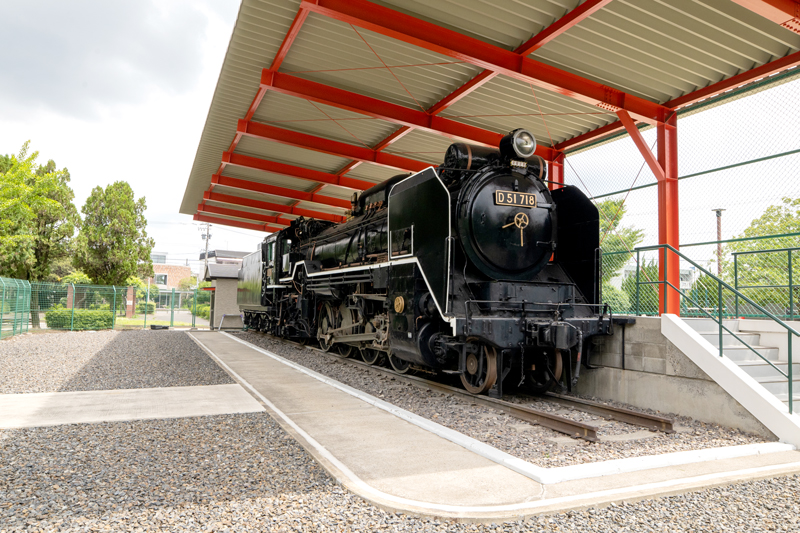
(321, 98)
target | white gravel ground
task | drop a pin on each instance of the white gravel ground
(243, 473)
(535, 444)
(104, 360)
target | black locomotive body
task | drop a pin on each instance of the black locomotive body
(475, 268)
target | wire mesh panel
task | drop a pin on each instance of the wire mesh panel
(14, 302)
(739, 158)
(76, 307)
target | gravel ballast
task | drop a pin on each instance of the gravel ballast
(535, 444)
(244, 473)
(104, 360)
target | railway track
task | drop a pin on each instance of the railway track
(561, 424)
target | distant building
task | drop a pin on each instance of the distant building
(158, 257)
(224, 257)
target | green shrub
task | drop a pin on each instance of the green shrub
(83, 319)
(204, 311)
(616, 299)
(151, 308)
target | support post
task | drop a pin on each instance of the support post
(2, 306)
(146, 302)
(555, 172)
(114, 309)
(172, 310)
(71, 290)
(668, 213)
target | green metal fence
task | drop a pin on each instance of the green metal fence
(74, 307)
(14, 306)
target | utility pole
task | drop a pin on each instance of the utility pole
(206, 236)
(719, 239)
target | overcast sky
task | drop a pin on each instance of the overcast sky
(118, 91)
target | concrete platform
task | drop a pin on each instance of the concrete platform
(404, 463)
(56, 408)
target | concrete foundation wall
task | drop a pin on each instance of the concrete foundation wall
(657, 375)
(225, 304)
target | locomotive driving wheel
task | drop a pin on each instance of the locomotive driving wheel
(327, 322)
(545, 372)
(481, 372)
(400, 366)
(370, 356)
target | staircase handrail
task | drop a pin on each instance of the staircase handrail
(719, 320)
(718, 280)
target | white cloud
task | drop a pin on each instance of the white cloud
(118, 91)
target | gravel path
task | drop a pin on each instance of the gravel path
(243, 473)
(104, 360)
(535, 444)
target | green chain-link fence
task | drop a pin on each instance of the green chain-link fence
(739, 153)
(28, 306)
(14, 305)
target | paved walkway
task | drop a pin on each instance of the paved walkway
(54, 408)
(401, 462)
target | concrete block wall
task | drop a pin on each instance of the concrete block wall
(646, 350)
(659, 376)
(225, 303)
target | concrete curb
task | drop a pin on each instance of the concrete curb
(537, 473)
(492, 513)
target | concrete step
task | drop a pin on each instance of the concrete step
(761, 369)
(706, 325)
(743, 353)
(779, 386)
(730, 340)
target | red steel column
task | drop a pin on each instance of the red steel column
(555, 172)
(668, 213)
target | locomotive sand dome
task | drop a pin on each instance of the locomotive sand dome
(474, 269)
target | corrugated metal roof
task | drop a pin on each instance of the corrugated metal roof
(654, 49)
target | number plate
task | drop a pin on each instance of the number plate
(518, 199)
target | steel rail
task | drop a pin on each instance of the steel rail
(629, 416)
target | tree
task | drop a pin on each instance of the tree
(187, 283)
(113, 243)
(767, 268)
(648, 292)
(37, 216)
(615, 240)
(77, 277)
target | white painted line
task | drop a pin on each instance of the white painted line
(532, 471)
(369, 491)
(86, 407)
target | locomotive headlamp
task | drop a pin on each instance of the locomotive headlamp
(518, 144)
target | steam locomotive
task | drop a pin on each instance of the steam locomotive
(474, 269)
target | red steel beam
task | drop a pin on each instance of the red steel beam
(246, 161)
(214, 210)
(450, 43)
(327, 146)
(570, 20)
(236, 223)
(397, 114)
(269, 206)
(254, 186)
(638, 140)
(734, 82)
(768, 69)
(783, 12)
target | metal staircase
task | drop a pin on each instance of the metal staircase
(756, 367)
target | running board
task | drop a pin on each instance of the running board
(762, 404)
